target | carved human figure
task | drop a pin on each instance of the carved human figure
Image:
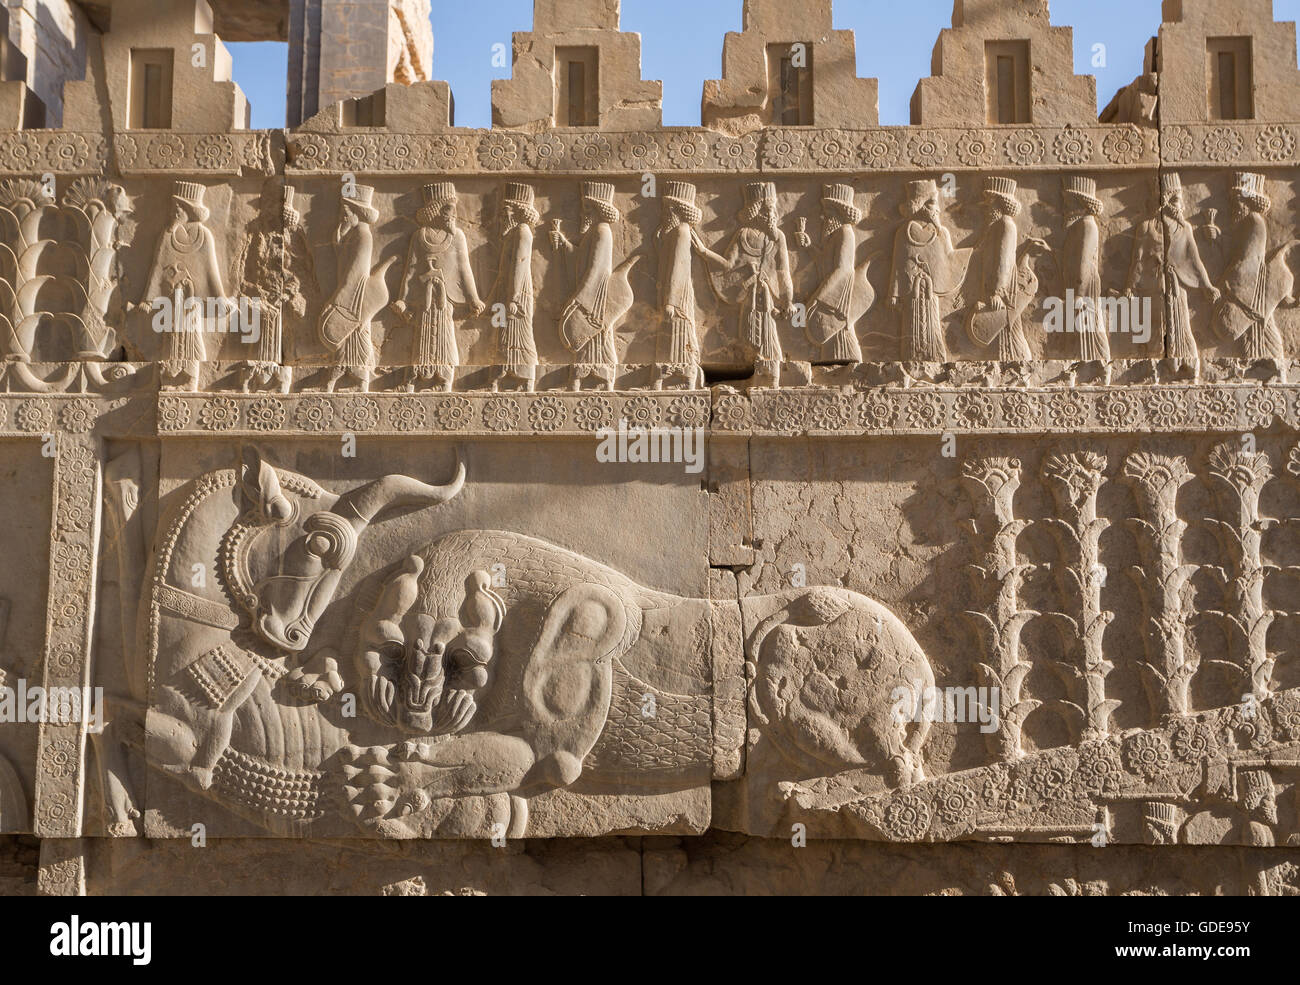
(588, 320)
(1004, 284)
(185, 276)
(757, 278)
(1169, 241)
(841, 297)
(679, 243)
(360, 294)
(516, 345)
(274, 268)
(1081, 270)
(437, 277)
(1254, 283)
(926, 269)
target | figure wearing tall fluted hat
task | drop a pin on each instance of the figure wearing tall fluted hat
(183, 281)
(516, 344)
(1256, 282)
(679, 242)
(844, 294)
(346, 322)
(1081, 273)
(603, 294)
(436, 277)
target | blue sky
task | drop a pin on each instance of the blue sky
(895, 39)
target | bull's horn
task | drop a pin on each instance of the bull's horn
(363, 504)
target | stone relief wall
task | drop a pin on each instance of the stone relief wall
(790, 477)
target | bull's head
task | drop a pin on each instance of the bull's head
(307, 553)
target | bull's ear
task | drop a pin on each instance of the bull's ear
(260, 487)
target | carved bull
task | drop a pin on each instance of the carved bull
(486, 667)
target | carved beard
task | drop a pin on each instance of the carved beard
(587, 221)
(671, 221)
(1240, 208)
(509, 221)
(1172, 209)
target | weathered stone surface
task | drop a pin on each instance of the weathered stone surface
(468, 505)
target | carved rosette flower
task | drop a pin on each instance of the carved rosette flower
(878, 150)
(925, 410)
(639, 151)
(1118, 410)
(736, 153)
(688, 412)
(214, 152)
(1223, 144)
(165, 151)
(266, 414)
(501, 414)
(1264, 407)
(1068, 411)
(69, 609)
(783, 149)
(906, 818)
(1073, 146)
(733, 412)
(955, 804)
(54, 808)
(357, 152)
(787, 413)
(1051, 777)
(591, 152)
(446, 153)
(34, 415)
(63, 661)
(22, 152)
(1022, 410)
(4, 413)
(1166, 409)
(399, 153)
(1286, 715)
(1100, 770)
(976, 148)
(1178, 144)
(642, 412)
(1025, 147)
(1276, 143)
(497, 151)
(1147, 754)
(59, 759)
(1125, 145)
(1246, 727)
(546, 413)
(1156, 480)
(972, 410)
(688, 151)
(313, 414)
(361, 414)
(309, 151)
(73, 516)
(831, 149)
(219, 414)
(1194, 742)
(830, 412)
(593, 413)
(173, 414)
(1293, 462)
(878, 411)
(1216, 409)
(78, 416)
(453, 413)
(927, 149)
(61, 878)
(407, 414)
(67, 152)
(71, 560)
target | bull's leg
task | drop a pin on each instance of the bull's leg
(188, 738)
(124, 718)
